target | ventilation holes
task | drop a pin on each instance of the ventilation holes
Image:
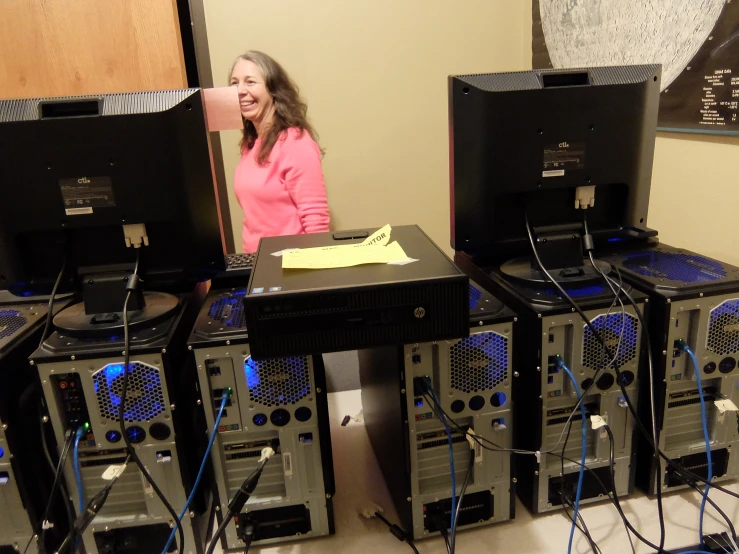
(229, 310)
(479, 362)
(279, 381)
(144, 396)
(723, 328)
(688, 268)
(610, 328)
(11, 322)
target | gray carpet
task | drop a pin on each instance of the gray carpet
(342, 371)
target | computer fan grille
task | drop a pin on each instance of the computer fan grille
(144, 396)
(479, 362)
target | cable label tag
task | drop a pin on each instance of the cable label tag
(475, 445)
(597, 421)
(114, 471)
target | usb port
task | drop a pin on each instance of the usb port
(416, 358)
(215, 370)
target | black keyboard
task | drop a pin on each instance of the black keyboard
(238, 262)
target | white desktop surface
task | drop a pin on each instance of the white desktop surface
(359, 482)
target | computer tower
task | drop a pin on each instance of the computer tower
(82, 380)
(543, 396)
(278, 402)
(696, 299)
(25, 480)
(472, 378)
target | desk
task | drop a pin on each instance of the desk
(359, 481)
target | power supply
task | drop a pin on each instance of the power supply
(472, 378)
(277, 402)
(82, 379)
(694, 299)
(544, 397)
(25, 482)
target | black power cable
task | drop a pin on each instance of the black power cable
(240, 499)
(58, 479)
(465, 483)
(397, 532)
(50, 314)
(595, 333)
(92, 509)
(131, 286)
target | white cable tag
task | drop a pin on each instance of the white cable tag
(474, 445)
(267, 453)
(725, 405)
(597, 421)
(538, 456)
(114, 471)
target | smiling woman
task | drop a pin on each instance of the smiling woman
(279, 181)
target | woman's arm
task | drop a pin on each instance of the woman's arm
(303, 178)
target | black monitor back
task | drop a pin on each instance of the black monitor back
(524, 142)
(74, 170)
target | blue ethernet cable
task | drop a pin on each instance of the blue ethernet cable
(224, 399)
(81, 432)
(584, 432)
(432, 392)
(706, 436)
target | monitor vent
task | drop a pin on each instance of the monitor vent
(228, 309)
(529, 80)
(11, 321)
(610, 327)
(687, 268)
(723, 328)
(278, 381)
(144, 397)
(113, 104)
(479, 362)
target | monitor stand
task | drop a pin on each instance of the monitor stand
(560, 251)
(101, 311)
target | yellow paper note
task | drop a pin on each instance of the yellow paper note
(340, 257)
(297, 258)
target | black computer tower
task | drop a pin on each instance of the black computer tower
(25, 477)
(543, 396)
(81, 377)
(277, 402)
(473, 379)
(696, 299)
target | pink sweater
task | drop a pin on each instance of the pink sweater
(287, 196)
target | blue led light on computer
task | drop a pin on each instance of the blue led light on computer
(479, 362)
(279, 381)
(2, 452)
(579, 292)
(144, 397)
(673, 266)
(228, 309)
(475, 296)
(11, 322)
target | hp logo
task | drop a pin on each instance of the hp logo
(419, 312)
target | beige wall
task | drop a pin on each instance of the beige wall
(695, 194)
(374, 76)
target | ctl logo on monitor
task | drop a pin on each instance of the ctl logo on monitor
(83, 181)
(419, 312)
(564, 145)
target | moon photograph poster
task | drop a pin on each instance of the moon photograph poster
(696, 41)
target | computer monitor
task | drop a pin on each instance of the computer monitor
(522, 143)
(74, 171)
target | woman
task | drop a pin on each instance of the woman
(279, 182)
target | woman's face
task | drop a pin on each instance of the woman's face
(255, 100)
